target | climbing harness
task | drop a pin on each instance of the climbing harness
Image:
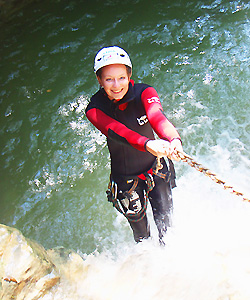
(189, 160)
(131, 197)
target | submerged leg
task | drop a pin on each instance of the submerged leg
(140, 229)
(134, 203)
(161, 201)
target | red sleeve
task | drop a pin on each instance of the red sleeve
(108, 125)
(161, 125)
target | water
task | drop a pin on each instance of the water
(55, 166)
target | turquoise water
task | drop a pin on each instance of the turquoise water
(54, 164)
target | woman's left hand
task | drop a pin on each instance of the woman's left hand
(175, 147)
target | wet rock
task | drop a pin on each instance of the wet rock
(26, 270)
(71, 265)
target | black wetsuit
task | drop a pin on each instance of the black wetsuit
(128, 125)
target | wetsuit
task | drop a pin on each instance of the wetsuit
(128, 124)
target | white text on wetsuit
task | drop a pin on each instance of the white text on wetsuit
(142, 120)
(153, 99)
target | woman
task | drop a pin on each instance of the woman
(128, 114)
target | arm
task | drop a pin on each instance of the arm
(116, 130)
(162, 126)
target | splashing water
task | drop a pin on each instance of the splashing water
(206, 255)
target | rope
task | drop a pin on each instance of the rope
(188, 159)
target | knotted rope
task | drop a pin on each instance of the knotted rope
(188, 159)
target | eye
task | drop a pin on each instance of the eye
(122, 77)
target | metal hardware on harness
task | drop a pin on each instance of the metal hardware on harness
(188, 159)
(159, 165)
(112, 191)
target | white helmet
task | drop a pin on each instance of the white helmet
(110, 56)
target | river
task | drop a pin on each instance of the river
(54, 164)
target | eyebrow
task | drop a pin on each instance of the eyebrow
(121, 75)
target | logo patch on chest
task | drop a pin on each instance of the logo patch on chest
(142, 120)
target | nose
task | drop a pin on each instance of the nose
(116, 83)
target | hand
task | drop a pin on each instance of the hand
(158, 148)
(175, 147)
(162, 148)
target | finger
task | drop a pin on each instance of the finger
(175, 155)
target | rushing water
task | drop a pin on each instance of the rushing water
(54, 165)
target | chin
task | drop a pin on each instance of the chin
(117, 97)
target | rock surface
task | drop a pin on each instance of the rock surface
(26, 270)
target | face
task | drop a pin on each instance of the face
(115, 81)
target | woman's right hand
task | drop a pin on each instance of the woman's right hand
(158, 148)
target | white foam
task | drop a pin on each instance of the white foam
(206, 255)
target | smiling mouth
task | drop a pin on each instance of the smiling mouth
(117, 92)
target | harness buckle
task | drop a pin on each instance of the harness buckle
(112, 191)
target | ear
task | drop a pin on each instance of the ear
(129, 73)
(99, 80)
